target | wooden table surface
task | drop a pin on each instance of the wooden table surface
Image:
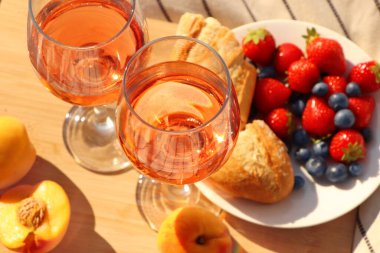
(104, 215)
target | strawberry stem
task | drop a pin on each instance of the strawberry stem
(323, 138)
(290, 124)
(311, 35)
(352, 152)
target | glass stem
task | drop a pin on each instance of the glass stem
(157, 200)
(181, 194)
(100, 127)
(90, 136)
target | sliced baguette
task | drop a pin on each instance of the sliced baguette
(223, 40)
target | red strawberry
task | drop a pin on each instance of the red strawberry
(270, 94)
(302, 75)
(367, 75)
(259, 46)
(281, 121)
(318, 117)
(363, 108)
(336, 84)
(347, 146)
(326, 53)
(285, 55)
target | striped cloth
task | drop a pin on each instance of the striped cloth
(358, 20)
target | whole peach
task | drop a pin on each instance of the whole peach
(194, 230)
(17, 154)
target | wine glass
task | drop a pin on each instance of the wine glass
(178, 120)
(80, 48)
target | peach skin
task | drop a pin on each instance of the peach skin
(194, 230)
(17, 154)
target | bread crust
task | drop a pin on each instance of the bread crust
(191, 26)
(243, 75)
(223, 40)
(259, 168)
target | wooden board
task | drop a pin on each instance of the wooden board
(104, 215)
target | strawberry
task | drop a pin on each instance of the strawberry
(362, 108)
(259, 46)
(336, 84)
(347, 146)
(366, 75)
(281, 121)
(326, 53)
(285, 55)
(270, 94)
(302, 75)
(318, 117)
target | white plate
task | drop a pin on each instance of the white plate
(315, 203)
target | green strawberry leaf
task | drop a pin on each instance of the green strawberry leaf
(323, 138)
(255, 35)
(376, 71)
(352, 152)
(311, 35)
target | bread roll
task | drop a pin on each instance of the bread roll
(223, 40)
(259, 168)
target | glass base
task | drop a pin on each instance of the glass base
(157, 200)
(90, 136)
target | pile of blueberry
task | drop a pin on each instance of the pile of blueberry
(313, 154)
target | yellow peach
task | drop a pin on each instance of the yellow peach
(34, 218)
(17, 154)
(194, 230)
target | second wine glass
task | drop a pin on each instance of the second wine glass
(80, 49)
(178, 120)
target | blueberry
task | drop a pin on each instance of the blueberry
(344, 118)
(300, 137)
(367, 134)
(296, 95)
(316, 166)
(338, 101)
(353, 89)
(297, 107)
(289, 145)
(265, 72)
(302, 154)
(320, 89)
(355, 169)
(321, 148)
(299, 182)
(337, 173)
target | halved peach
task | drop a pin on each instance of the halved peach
(34, 218)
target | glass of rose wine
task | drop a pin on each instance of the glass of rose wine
(178, 120)
(80, 48)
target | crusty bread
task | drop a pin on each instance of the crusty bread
(223, 40)
(259, 167)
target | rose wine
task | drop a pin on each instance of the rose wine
(191, 121)
(85, 47)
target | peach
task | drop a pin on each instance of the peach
(34, 218)
(194, 230)
(17, 154)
